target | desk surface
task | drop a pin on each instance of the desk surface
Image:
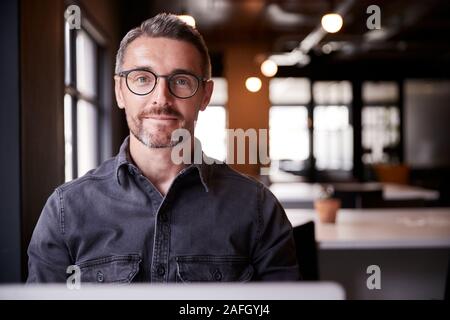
(380, 228)
(308, 192)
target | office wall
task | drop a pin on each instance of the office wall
(9, 142)
(246, 109)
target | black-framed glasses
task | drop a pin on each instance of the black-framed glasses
(182, 85)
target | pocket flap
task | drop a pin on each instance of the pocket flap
(213, 268)
(111, 269)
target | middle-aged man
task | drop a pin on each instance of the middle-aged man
(141, 216)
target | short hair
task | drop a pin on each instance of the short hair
(166, 25)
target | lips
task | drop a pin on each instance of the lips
(161, 117)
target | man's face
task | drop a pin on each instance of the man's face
(153, 117)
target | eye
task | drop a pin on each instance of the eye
(181, 81)
(142, 80)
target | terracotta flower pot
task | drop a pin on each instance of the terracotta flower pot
(327, 209)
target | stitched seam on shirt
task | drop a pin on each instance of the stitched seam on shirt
(166, 252)
(84, 179)
(202, 179)
(105, 260)
(62, 222)
(211, 259)
(61, 212)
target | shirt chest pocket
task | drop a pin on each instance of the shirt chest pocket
(213, 268)
(111, 269)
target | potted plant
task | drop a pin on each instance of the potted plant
(326, 205)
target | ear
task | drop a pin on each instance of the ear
(118, 91)
(209, 87)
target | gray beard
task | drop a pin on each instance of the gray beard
(148, 139)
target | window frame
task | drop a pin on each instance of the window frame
(99, 101)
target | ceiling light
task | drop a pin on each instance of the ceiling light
(269, 68)
(253, 84)
(332, 22)
(295, 57)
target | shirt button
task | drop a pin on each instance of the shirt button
(217, 275)
(160, 271)
(100, 277)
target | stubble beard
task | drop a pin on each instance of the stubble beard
(158, 139)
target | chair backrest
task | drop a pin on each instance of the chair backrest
(392, 173)
(306, 246)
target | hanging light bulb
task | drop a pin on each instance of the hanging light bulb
(269, 68)
(332, 22)
(253, 84)
(187, 19)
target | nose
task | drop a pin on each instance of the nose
(161, 94)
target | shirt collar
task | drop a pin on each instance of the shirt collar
(123, 159)
(204, 172)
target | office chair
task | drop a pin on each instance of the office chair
(306, 247)
(447, 283)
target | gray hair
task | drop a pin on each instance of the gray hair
(166, 25)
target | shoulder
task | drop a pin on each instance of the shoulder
(223, 172)
(96, 176)
(224, 175)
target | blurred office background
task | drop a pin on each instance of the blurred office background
(364, 110)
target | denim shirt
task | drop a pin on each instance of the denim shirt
(214, 224)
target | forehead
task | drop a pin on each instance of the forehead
(163, 55)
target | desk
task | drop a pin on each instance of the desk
(392, 191)
(411, 247)
(380, 228)
(303, 194)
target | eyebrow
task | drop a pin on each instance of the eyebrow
(178, 70)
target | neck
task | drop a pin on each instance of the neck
(155, 163)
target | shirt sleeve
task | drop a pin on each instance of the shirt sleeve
(275, 257)
(48, 256)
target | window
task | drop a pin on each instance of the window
(288, 133)
(212, 123)
(82, 106)
(333, 138)
(333, 133)
(288, 123)
(380, 120)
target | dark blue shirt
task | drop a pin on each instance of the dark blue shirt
(214, 224)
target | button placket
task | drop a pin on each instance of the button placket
(163, 217)
(161, 271)
(161, 249)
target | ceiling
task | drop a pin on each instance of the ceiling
(413, 29)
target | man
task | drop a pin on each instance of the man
(142, 216)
